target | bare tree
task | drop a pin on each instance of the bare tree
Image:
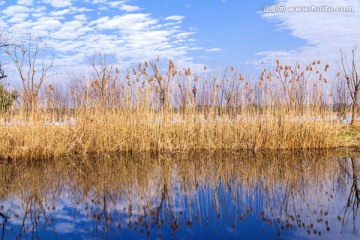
(349, 72)
(341, 97)
(27, 62)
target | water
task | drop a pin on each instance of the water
(183, 196)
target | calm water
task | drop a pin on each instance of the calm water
(183, 196)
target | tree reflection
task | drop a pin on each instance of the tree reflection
(3, 225)
(353, 200)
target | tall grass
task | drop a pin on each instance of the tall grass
(157, 109)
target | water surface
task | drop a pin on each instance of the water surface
(278, 195)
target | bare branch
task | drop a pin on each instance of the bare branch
(26, 62)
(352, 81)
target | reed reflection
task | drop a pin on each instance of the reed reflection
(174, 195)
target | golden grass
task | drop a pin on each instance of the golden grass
(109, 132)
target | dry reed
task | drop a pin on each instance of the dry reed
(145, 109)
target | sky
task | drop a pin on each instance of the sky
(194, 33)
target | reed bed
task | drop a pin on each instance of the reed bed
(161, 109)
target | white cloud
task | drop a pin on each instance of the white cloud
(70, 30)
(25, 2)
(79, 10)
(174, 18)
(116, 3)
(14, 10)
(133, 22)
(60, 12)
(184, 35)
(58, 3)
(48, 23)
(80, 17)
(214, 50)
(19, 17)
(129, 8)
(122, 6)
(324, 32)
(99, 1)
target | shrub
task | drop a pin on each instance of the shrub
(6, 98)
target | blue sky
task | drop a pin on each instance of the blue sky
(216, 33)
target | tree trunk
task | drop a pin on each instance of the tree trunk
(354, 108)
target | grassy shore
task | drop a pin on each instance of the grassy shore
(349, 136)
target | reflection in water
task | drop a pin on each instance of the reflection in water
(353, 201)
(203, 196)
